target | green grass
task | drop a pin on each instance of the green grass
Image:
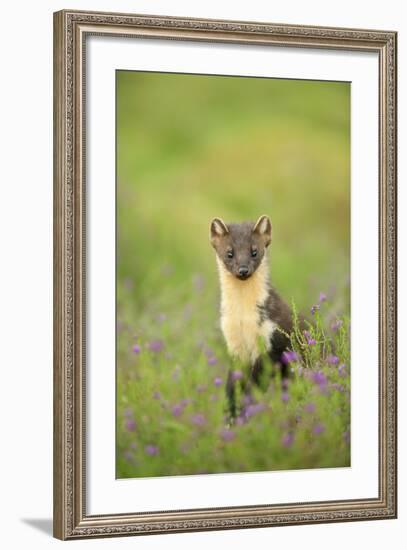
(191, 148)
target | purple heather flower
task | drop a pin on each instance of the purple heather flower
(288, 357)
(201, 388)
(285, 397)
(336, 325)
(136, 348)
(198, 282)
(307, 334)
(311, 341)
(287, 439)
(198, 419)
(130, 425)
(156, 346)
(251, 410)
(151, 450)
(128, 455)
(227, 435)
(299, 370)
(338, 387)
(315, 308)
(184, 402)
(161, 317)
(209, 352)
(247, 399)
(319, 378)
(342, 370)
(218, 381)
(322, 297)
(177, 409)
(212, 360)
(309, 407)
(332, 359)
(157, 395)
(237, 375)
(318, 429)
(213, 397)
(128, 412)
(346, 437)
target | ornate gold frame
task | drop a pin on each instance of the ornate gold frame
(70, 31)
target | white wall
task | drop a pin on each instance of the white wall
(26, 246)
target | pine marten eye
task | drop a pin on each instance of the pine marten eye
(254, 252)
(230, 253)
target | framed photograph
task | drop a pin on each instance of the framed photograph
(225, 274)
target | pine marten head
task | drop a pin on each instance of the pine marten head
(240, 247)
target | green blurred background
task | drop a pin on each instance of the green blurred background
(191, 147)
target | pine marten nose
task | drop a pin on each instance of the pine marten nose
(243, 271)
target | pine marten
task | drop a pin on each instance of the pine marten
(250, 307)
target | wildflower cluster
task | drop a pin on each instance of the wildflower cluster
(172, 401)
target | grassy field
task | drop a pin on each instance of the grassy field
(190, 148)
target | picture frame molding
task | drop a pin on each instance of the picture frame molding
(70, 31)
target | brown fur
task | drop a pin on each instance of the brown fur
(250, 307)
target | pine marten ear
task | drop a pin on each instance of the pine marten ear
(218, 229)
(263, 228)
